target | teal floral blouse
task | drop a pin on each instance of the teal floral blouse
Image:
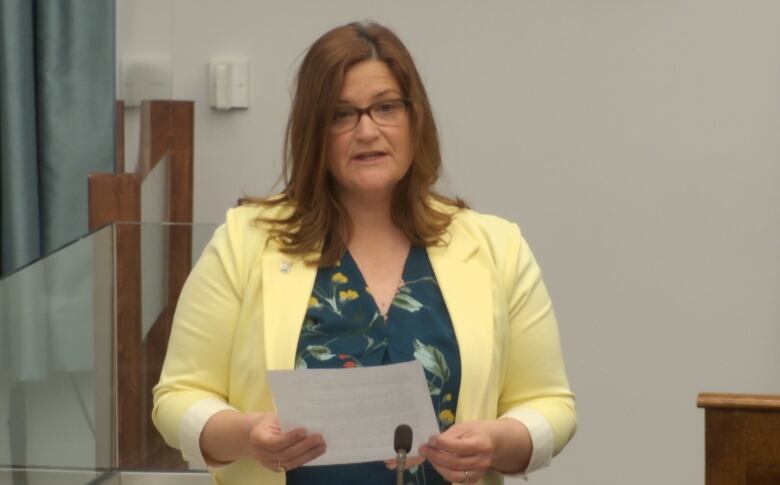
(343, 327)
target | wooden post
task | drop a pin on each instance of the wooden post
(742, 439)
(166, 131)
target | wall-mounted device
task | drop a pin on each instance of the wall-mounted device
(229, 84)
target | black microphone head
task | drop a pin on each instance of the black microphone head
(403, 438)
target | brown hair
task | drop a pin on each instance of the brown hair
(318, 221)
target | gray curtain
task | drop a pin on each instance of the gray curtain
(56, 126)
(56, 120)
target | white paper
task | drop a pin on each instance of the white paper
(356, 409)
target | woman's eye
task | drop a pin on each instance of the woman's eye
(342, 114)
(386, 108)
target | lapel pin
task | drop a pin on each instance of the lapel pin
(285, 266)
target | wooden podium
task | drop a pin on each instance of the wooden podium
(742, 439)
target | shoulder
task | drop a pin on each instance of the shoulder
(476, 223)
(487, 224)
(491, 232)
(246, 227)
(255, 217)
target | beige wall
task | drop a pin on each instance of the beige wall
(637, 143)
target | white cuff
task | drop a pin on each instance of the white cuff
(542, 438)
(192, 424)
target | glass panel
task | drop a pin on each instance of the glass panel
(56, 321)
(38, 476)
(154, 208)
(59, 318)
(155, 189)
(167, 252)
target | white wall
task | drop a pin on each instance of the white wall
(636, 142)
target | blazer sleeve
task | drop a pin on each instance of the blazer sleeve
(197, 362)
(534, 378)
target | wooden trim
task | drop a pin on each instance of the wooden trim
(180, 200)
(739, 401)
(129, 348)
(116, 198)
(113, 198)
(166, 130)
(172, 123)
(119, 137)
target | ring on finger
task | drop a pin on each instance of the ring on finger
(466, 476)
(280, 467)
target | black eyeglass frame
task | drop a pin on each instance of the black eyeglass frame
(367, 111)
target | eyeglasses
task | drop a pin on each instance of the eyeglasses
(391, 112)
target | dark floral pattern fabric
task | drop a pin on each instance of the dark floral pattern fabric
(343, 327)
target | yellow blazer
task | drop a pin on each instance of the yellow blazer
(241, 311)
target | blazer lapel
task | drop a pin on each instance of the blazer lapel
(287, 287)
(466, 286)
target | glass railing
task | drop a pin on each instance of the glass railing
(56, 369)
(63, 369)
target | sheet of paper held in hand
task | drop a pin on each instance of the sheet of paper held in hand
(357, 409)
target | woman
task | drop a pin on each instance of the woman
(359, 262)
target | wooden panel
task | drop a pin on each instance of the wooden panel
(742, 439)
(763, 475)
(130, 407)
(158, 455)
(119, 137)
(116, 198)
(724, 450)
(180, 198)
(762, 438)
(157, 134)
(112, 198)
(166, 129)
(172, 124)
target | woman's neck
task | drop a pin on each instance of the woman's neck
(372, 223)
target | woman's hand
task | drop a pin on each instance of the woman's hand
(279, 451)
(475, 446)
(463, 453)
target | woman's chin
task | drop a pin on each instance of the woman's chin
(372, 190)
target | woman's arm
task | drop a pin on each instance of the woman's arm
(535, 405)
(230, 435)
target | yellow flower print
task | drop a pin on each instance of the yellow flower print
(447, 417)
(447, 397)
(347, 295)
(314, 302)
(339, 278)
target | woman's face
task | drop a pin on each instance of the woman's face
(368, 160)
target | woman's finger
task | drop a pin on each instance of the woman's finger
(302, 447)
(455, 462)
(299, 460)
(459, 476)
(280, 465)
(272, 440)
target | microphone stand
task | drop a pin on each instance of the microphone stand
(402, 442)
(399, 470)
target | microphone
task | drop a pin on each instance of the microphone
(402, 442)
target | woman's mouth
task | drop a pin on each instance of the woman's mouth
(368, 156)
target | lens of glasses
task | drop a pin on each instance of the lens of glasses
(383, 113)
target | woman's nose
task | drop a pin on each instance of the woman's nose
(366, 128)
